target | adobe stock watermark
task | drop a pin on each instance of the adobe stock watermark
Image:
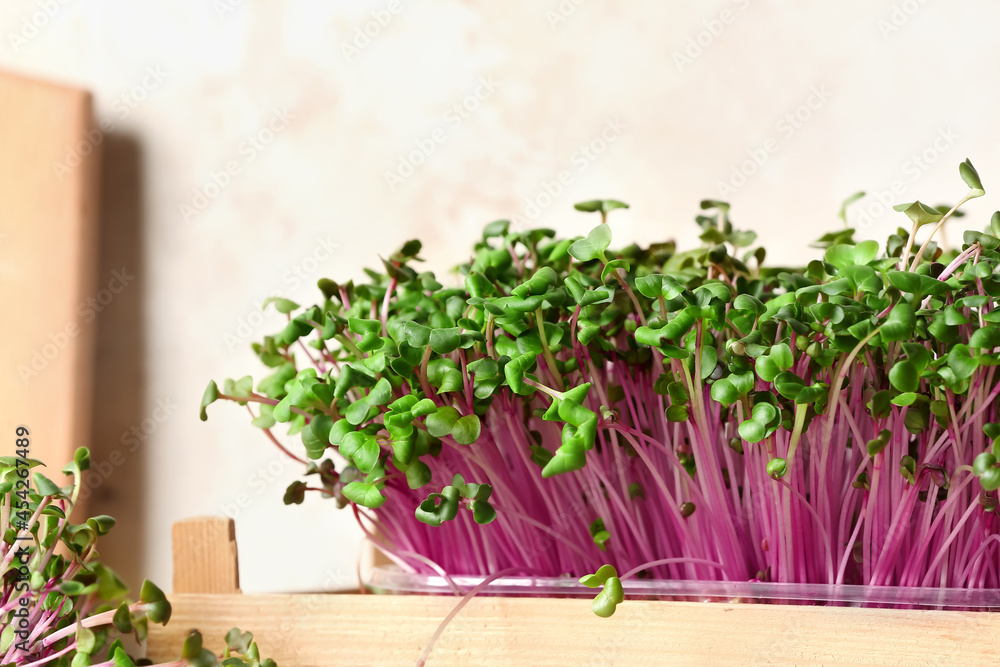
(223, 7)
(247, 152)
(122, 106)
(786, 127)
(562, 12)
(899, 15)
(365, 33)
(712, 29)
(580, 160)
(131, 440)
(881, 201)
(292, 279)
(32, 25)
(87, 311)
(424, 147)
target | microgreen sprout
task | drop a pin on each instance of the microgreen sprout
(62, 607)
(688, 414)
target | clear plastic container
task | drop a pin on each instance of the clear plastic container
(393, 580)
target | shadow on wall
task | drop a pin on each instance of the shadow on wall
(120, 420)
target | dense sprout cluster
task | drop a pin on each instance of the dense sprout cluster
(681, 414)
(62, 607)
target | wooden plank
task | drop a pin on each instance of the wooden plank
(205, 556)
(344, 630)
(47, 265)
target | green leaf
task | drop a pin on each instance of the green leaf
(239, 641)
(101, 524)
(781, 355)
(789, 384)
(418, 475)
(364, 494)
(656, 285)
(417, 335)
(438, 507)
(747, 302)
(906, 398)
(466, 430)
(295, 494)
(876, 445)
(961, 361)
(316, 436)
(81, 457)
(990, 479)
(210, 396)
(863, 278)
(496, 228)
(983, 462)
(514, 372)
(918, 213)
(441, 422)
(905, 281)
(350, 377)
(987, 338)
(971, 178)
(157, 607)
(482, 512)
(567, 458)
(611, 268)
(840, 255)
(600, 577)
(283, 306)
(899, 324)
(592, 247)
(539, 283)
(677, 413)
(609, 598)
(444, 341)
(45, 486)
(595, 205)
(766, 368)
(121, 658)
(752, 431)
(123, 618)
(362, 448)
(865, 252)
(904, 376)
(709, 359)
(724, 392)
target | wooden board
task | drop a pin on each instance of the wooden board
(346, 630)
(48, 208)
(205, 558)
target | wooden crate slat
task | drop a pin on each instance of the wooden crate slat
(49, 169)
(205, 556)
(323, 630)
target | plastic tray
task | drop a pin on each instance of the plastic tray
(394, 580)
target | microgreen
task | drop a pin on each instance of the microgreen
(61, 606)
(691, 414)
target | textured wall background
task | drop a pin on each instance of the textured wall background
(252, 148)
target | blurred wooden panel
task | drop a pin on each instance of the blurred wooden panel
(49, 168)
